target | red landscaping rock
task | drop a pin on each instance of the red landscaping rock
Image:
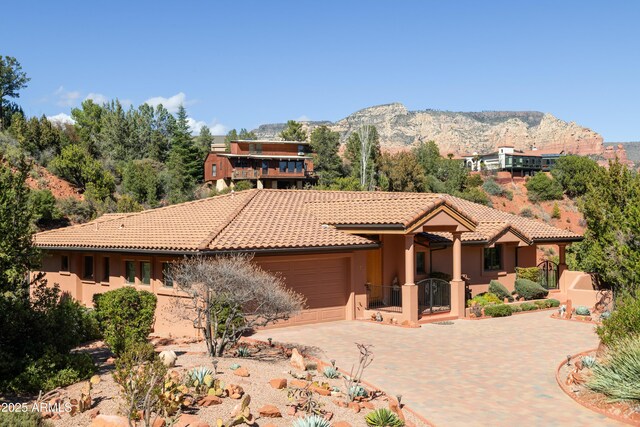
(354, 406)
(241, 372)
(298, 383)
(278, 383)
(209, 400)
(94, 413)
(297, 361)
(340, 403)
(341, 424)
(291, 410)
(109, 421)
(269, 411)
(234, 391)
(159, 422)
(394, 407)
(321, 391)
(367, 405)
(188, 420)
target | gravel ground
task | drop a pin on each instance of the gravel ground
(264, 364)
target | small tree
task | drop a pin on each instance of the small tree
(229, 296)
(541, 188)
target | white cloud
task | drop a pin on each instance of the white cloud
(215, 127)
(303, 118)
(61, 118)
(98, 98)
(172, 103)
(66, 98)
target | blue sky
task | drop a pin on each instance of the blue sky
(244, 63)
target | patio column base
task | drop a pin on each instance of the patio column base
(410, 302)
(458, 302)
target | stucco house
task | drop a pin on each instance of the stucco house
(350, 254)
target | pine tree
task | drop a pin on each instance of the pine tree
(185, 162)
(293, 132)
(327, 163)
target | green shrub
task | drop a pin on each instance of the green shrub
(529, 273)
(540, 188)
(475, 195)
(53, 370)
(527, 306)
(553, 302)
(243, 185)
(516, 308)
(530, 290)
(484, 299)
(526, 212)
(125, 317)
(383, 418)
(556, 211)
(474, 180)
(493, 188)
(618, 375)
(624, 321)
(23, 419)
(500, 310)
(499, 290)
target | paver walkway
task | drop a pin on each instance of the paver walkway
(494, 372)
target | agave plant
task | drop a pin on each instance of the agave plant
(588, 361)
(383, 418)
(582, 310)
(243, 351)
(311, 421)
(331, 372)
(200, 376)
(358, 391)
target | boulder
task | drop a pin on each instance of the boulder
(168, 358)
(234, 391)
(188, 420)
(109, 421)
(209, 400)
(297, 361)
(269, 411)
(241, 372)
(278, 383)
(354, 406)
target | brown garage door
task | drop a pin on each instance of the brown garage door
(323, 281)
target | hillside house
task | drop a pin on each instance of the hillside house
(507, 158)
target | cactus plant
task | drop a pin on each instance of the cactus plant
(581, 310)
(234, 366)
(588, 361)
(243, 351)
(357, 391)
(198, 376)
(240, 414)
(383, 418)
(311, 421)
(331, 372)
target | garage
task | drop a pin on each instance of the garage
(324, 281)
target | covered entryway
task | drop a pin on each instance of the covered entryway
(323, 280)
(434, 296)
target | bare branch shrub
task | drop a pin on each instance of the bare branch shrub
(230, 295)
(352, 382)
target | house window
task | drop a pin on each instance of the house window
(299, 167)
(301, 149)
(145, 272)
(420, 263)
(283, 166)
(130, 272)
(493, 258)
(87, 271)
(166, 277)
(252, 148)
(106, 264)
(64, 263)
(265, 167)
(291, 166)
(214, 169)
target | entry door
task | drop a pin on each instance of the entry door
(374, 273)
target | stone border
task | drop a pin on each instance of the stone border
(367, 383)
(588, 405)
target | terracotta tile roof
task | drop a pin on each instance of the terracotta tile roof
(282, 219)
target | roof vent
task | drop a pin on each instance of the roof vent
(121, 225)
(325, 226)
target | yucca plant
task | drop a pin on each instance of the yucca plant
(311, 421)
(243, 351)
(618, 375)
(383, 418)
(331, 372)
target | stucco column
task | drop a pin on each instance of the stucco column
(458, 303)
(409, 289)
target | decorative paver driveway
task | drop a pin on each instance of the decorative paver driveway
(494, 372)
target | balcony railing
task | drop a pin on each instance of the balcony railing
(271, 173)
(384, 298)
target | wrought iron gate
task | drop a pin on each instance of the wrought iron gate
(548, 274)
(434, 295)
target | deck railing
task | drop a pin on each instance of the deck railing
(384, 298)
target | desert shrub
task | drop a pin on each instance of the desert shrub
(383, 417)
(125, 316)
(530, 290)
(541, 187)
(526, 212)
(51, 371)
(484, 299)
(474, 180)
(618, 375)
(499, 290)
(553, 302)
(43, 204)
(500, 310)
(624, 321)
(508, 194)
(556, 211)
(243, 185)
(493, 188)
(78, 211)
(23, 419)
(529, 273)
(527, 306)
(574, 173)
(516, 308)
(475, 195)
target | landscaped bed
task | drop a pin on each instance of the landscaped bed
(268, 368)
